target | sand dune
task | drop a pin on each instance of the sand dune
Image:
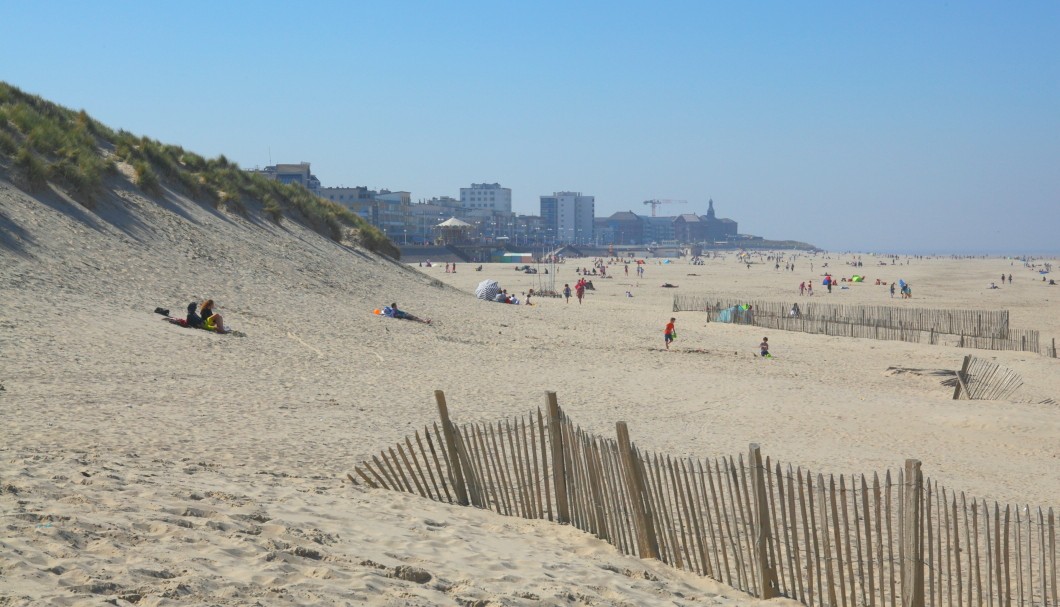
(155, 465)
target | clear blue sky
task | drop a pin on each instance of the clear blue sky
(888, 126)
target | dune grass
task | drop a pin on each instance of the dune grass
(47, 143)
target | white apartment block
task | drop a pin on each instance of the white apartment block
(488, 196)
(569, 216)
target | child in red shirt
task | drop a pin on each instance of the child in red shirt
(670, 333)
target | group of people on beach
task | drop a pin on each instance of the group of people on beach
(579, 290)
(205, 318)
(670, 334)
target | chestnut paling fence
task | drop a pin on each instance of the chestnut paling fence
(770, 530)
(983, 329)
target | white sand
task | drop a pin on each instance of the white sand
(142, 461)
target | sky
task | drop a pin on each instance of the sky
(915, 127)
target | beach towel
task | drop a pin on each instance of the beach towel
(726, 314)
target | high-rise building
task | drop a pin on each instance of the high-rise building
(569, 217)
(489, 196)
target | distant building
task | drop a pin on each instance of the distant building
(719, 229)
(690, 228)
(658, 230)
(386, 210)
(291, 173)
(489, 196)
(568, 217)
(424, 216)
(623, 227)
(392, 213)
(358, 199)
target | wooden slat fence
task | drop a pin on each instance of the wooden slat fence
(754, 524)
(982, 329)
(974, 323)
(1022, 340)
(980, 379)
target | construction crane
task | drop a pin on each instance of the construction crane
(656, 202)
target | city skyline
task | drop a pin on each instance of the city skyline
(906, 127)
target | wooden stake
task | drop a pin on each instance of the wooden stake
(912, 536)
(846, 541)
(544, 463)
(961, 379)
(794, 546)
(767, 573)
(456, 478)
(822, 498)
(427, 464)
(445, 456)
(718, 517)
(647, 545)
(559, 473)
(1052, 552)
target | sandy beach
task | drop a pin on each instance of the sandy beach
(147, 464)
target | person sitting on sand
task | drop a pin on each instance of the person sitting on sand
(393, 312)
(210, 320)
(193, 319)
(764, 346)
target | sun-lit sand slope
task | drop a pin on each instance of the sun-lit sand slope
(156, 465)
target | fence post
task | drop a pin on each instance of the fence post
(559, 468)
(767, 573)
(912, 535)
(456, 476)
(960, 377)
(647, 543)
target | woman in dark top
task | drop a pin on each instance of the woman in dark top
(211, 321)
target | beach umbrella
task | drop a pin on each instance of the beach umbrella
(487, 289)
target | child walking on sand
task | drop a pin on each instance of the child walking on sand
(764, 346)
(669, 333)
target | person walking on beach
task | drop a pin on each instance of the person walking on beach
(579, 290)
(892, 290)
(566, 292)
(669, 333)
(802, 288)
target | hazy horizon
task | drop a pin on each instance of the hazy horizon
(905, 127)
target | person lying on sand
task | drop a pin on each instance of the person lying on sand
(393, 312)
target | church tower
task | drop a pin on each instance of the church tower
(710, 210)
